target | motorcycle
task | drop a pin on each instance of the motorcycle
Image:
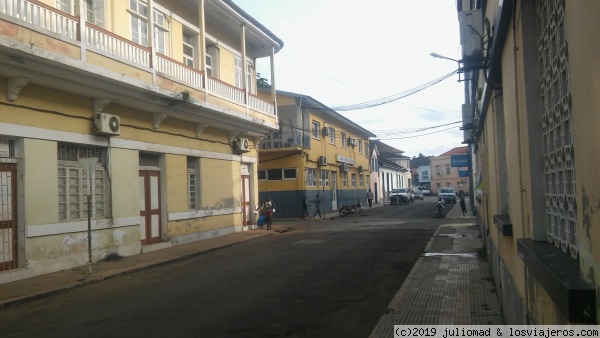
(346, 210)
(439, 208)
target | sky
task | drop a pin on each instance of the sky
(345, 52)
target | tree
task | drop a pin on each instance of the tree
(261, 82)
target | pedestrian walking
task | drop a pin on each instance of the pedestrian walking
(317, 202)
(463, 205)
(370, 198)
(269, 209)
(261, 213)
(305, 213)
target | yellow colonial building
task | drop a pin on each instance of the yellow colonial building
(146, 108)
(533, 117)
(315, 151)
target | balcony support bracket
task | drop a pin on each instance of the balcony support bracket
(99, 105)
(232, 135)
(157, 119)
(200, 128)
(14, 86)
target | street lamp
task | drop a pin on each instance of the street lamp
(469, 144)
(436, 55)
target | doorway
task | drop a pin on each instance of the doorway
(8, 216)
(149, 181)
(334, 191)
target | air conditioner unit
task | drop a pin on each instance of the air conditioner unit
(471, 32)
(107, 124)
(322, 160)
(360, 168)
(350, 141)
(344, 167)
(325, 131)
(242, 145)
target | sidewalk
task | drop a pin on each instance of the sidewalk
(449, 284)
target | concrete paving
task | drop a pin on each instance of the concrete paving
(450, 284)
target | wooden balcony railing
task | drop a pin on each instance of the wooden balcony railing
(48, 20)
(41, 17)
(105, 41)
(178, 70)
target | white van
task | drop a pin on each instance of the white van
(418, 193)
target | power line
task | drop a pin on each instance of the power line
(361, 90)
(400, 138)
(395, 97)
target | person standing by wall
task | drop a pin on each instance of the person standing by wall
(317, 202)
(305, 213)
(268, 210)
(463, 205)
(370, 198)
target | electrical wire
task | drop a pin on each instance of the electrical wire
(394, 97)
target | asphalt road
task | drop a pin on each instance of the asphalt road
(325, 278)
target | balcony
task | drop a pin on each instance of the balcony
(285, 141)
(69, 47)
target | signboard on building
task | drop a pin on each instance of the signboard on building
(344, 159)
(463, 173)
(459, 160)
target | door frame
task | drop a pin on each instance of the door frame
(146, 175)
(13, 223)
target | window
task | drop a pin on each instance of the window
(277, 174)
(343, 140)
(360, 146)
(438, 170)
(425, 174)
(192, 178)
(447, 169)
(262, 175)
(94, 12)
(188, 50)
(64, 5)
(73, 185)
(249, 76)
(237, 69)
(209, 65)
(368, 181)
(361, 181)
(160, 32)
(331, 135)
(438, 185)
(310, 178)
(353, 180)
(323, 178)
(344, 179)
(316, 130)
(139, 25)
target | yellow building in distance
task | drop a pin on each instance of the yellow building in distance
(316, 151)
(159, 95)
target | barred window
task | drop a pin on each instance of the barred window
(353, 180)
(192, 180)
(72, 183)
(344, 179)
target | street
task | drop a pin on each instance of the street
(324, 278)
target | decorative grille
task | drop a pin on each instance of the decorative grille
(559, 170)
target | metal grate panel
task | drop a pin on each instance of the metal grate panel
(559, 170)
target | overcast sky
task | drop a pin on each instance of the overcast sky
(344, 52)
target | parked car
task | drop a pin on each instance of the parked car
(448, 194)
(418, 193)
(399, 195)
(426, 191)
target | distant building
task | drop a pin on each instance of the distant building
(394, 169)
(315, 151)
(444, 175)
